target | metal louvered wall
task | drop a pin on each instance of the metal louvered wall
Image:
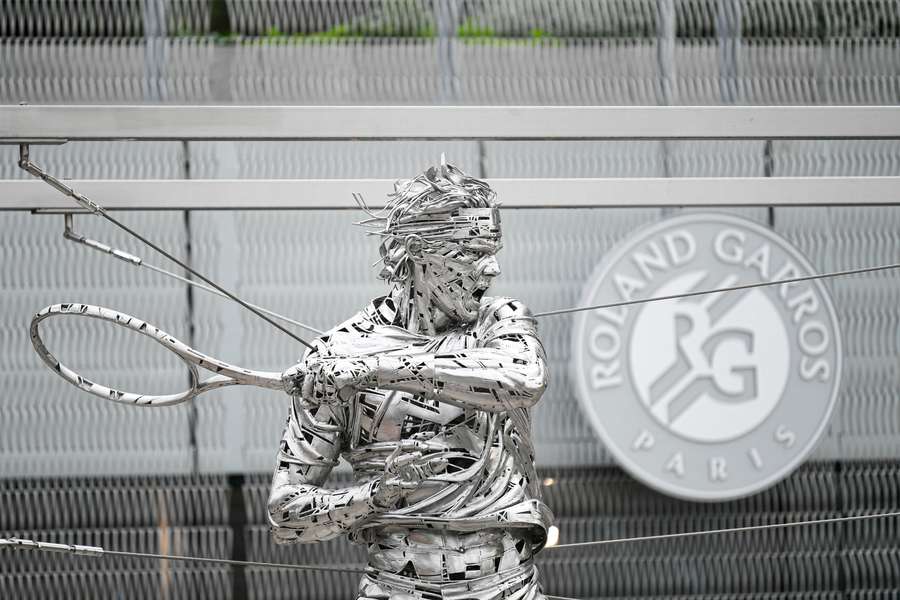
(195, 516)
(81, 470)
(462, 52)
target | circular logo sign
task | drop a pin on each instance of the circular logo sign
(712, 396)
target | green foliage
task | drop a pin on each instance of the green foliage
(226, 37)
(474, 33)
(471, 29)
(396, 19)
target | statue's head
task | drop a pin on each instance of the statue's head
(441, 233)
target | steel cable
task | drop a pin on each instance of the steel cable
(733, 288)
(82, 550)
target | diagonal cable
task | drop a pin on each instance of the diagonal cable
(745, 286)
(26, 164)
(685, 534)
(97, 551)
(70, 234)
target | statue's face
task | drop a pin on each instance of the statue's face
(458, 275)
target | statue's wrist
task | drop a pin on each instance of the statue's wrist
(383, 499)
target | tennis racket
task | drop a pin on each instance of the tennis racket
(225, 374)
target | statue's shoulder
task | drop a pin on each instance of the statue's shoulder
(380, 311)
(371, 330)
(498, 309)
(361, 320)
(342, 337)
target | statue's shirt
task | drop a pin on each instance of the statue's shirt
(488, 478)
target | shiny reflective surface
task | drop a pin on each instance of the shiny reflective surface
(426, 393)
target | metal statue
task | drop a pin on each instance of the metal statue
(426, 393)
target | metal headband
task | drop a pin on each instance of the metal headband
(460, 224)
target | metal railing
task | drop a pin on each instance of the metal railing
(116, 122)
(60, 124)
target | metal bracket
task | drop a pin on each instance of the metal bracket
(70, 234)
(27, 165)
(60, 211)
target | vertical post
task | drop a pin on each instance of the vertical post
(223, 54)
(231, 459)
(164, 531)
(821, 91)
(192, 327)
(665, 50)
(225, 225)
(728, 34)
(446, 16)
(154, 17)
(665, 56)
(237, 521)
(220, 72)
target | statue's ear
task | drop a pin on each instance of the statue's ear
(414, 245)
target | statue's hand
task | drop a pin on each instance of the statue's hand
(327, 376)
(404, 472)
(292, 379)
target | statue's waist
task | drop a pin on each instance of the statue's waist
(519, 582)
(526, 520)
(444, 556)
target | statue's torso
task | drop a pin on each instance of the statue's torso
(445, 551)
(490, 483)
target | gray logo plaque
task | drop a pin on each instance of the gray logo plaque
(714, 396)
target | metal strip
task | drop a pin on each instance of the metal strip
(119, 122)
(310, 194)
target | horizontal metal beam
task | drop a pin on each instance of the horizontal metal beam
(446, 122)
(308, 194)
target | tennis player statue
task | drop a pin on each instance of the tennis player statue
(426, 393)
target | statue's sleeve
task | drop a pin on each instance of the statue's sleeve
(299, 508)
(506, 370)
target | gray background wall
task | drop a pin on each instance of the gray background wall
(192, 478)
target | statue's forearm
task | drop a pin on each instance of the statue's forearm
(302, 512)
(483, 378)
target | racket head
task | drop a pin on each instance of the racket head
(226, 374)
(123, 320)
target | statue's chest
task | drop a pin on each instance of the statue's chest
(385, 415)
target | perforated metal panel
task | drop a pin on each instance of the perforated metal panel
(163, 515)
(803, 562)
(197, 515)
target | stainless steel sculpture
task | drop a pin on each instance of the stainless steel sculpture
(426, 393)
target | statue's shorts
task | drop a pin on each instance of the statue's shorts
(518, 583)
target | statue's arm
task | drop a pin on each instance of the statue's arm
(508, 370)
(299, 508)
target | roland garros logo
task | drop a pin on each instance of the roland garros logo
(714, 396)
